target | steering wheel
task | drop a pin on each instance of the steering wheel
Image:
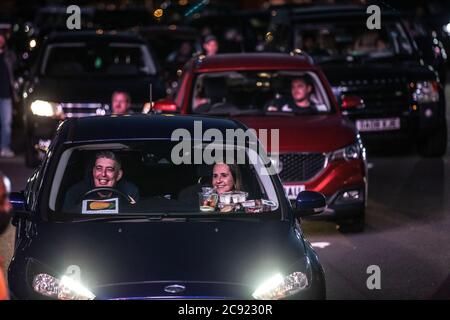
(108, 189)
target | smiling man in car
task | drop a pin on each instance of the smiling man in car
(106, 173)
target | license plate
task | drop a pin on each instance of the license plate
(378, 124)
(293, 190)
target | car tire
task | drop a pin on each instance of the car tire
(31, 155)
(435, 143)
(353, 225)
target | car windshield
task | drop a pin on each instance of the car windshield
(87, 59)
(259, 93)
(162, 179)
(325, 40)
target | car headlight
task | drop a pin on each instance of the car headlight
(45, 109)
(353, 151)
(65, 288)
(426, 92)
(279, 287)
(446, 28)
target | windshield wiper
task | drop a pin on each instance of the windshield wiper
(156, 217)
(170, 218)
(225, 217)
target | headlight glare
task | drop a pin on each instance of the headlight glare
(45, 109)
(279, 287)
(65, 288)
(426, 92)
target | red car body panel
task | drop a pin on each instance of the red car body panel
(323, 133)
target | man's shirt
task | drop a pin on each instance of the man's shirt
(74, 196)
(288, 105)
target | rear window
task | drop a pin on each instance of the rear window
(84, 59)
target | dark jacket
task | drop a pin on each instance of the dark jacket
(10, 62)
(4, 221)
(74, 195)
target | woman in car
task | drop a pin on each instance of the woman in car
(226, 178)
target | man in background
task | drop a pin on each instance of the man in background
(120, 103)
(7, 61)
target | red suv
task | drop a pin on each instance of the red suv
(319, 148)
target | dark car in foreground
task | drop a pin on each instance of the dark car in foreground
(402, 96)
(163, 245)
(318, 151)
(75, 76)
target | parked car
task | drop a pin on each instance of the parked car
(75, 76)
(402, 96)
(177, 250)
(429, 43)
(320, 152)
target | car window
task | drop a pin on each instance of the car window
(255, 92)
(324, 39)
(83, 59)
(160, 179)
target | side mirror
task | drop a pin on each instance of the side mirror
(18, 203)
(309, 203)
(352, 102)
(165, 106)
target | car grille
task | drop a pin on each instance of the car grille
(79, 110)
(298, 167)
(379, 94)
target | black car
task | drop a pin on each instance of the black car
(379, 76)
(75, 76)
(161, 232)
(430, 43)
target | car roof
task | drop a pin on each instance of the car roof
(94, 35)
(252, 61)
(138, 127)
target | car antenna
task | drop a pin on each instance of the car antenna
(151, 98)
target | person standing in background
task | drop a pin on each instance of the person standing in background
(210, 45)
(7, 61)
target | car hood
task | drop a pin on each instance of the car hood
(111, 255)
(323, 133)
(376, 70)
(95, 89)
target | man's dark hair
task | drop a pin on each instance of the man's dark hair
(306, 78)
(209, 38)
(109, 155)
(126, 94)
